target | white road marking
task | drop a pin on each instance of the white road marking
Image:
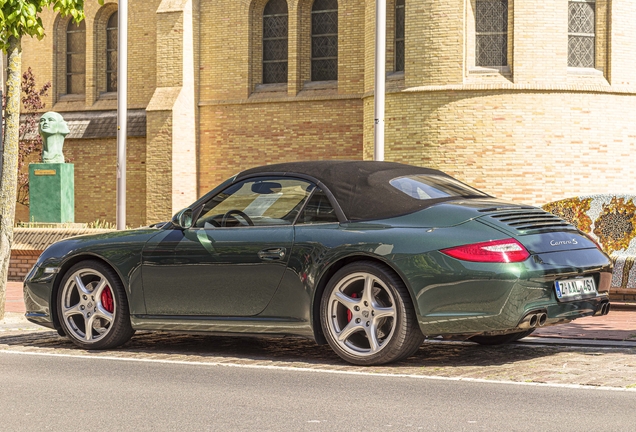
(326, 371)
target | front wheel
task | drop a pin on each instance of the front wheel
(93, 308)
(367, 315)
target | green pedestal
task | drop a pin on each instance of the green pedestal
(52, 192)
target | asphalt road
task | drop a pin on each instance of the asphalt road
(78, 394)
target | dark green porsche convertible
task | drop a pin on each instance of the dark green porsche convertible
(370, 257)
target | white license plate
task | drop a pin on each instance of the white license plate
(574, 289)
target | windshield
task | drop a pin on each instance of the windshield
(426, 187)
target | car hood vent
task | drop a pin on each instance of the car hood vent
(527, 220)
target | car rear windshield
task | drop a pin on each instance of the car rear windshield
(427, 187)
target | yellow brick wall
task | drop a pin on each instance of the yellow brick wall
(240, 136)
(224, 68)
(95, 160)
(231, 47)
(47, 57)
(96, 179)
(434, 42)
(622, 37)
(534, 133)
(540, 42)
(171, 132)
(142, 53)
(527, 146)
(159, 126)
(96, 182)
(240, 128)
(351, 47)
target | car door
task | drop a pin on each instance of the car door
(230, 262)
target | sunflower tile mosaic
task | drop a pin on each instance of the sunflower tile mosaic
(611, 221)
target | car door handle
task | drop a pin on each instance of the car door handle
(272, 254)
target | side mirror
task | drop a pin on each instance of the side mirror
(183, 219)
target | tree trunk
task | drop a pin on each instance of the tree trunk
(9, 180)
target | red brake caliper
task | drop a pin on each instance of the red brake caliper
(349, 314)
(107, 300)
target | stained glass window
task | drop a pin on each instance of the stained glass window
(275, 28)
(399, 35)
(111, 53)
(491, 25)
(581, 34)
(324, 40)
(76, 58)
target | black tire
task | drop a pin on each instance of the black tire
(500, 339)
(385, 313)
(91, 300)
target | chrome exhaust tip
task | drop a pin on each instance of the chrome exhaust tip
(606, 308)
(529, 321)
(603, 309)
(542, 318)
(536, 318)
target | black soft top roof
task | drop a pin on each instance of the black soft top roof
(361, 188)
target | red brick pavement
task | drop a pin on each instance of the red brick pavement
(619, 324)
(15, 300)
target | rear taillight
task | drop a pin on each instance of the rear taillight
(495, 251)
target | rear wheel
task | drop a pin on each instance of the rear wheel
(500, 339)
(367, 315)
(93, 308)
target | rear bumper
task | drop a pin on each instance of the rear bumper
(455, 297)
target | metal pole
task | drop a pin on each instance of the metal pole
(380, 78)
(122, 110)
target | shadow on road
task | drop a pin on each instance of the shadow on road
(299, 352)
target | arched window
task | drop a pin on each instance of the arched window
(581, 33)
(324, 40)
(275, 28)
(76, 58)
(399, 35)
(111, 53)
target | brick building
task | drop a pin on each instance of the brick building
(529, 101)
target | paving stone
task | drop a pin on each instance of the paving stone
(605, 367)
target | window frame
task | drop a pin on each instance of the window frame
(593, 36)
(263, 45)
(315, 191)
(198, 213)
(504, 33)
(108, 71)
(470, 51)
(397, 39)
(313, 36)
(81, 28)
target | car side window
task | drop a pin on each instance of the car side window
(318, 210)
(261, 201)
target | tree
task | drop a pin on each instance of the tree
(30, 143)
(18, 18)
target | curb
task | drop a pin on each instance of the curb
(599, 343)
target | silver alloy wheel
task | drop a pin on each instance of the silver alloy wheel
(361, 314)
(85, 315)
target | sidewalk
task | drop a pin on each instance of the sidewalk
(618, 325)
(15, 299)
